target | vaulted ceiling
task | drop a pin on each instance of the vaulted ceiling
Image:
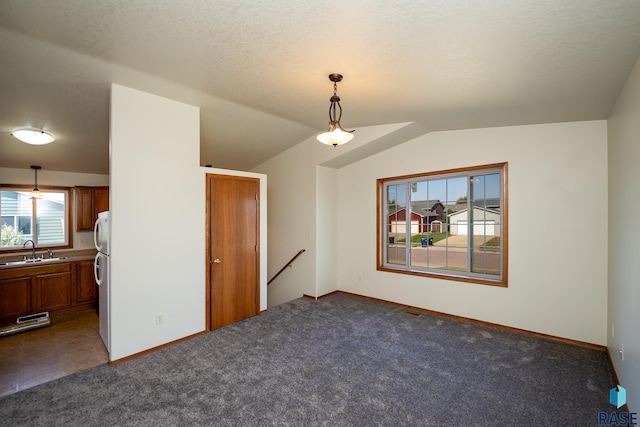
(258, 69)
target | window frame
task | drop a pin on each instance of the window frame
(67, 213)
(382, 226)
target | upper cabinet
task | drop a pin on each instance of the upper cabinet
(89, 202)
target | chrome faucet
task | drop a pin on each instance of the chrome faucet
(33, 248)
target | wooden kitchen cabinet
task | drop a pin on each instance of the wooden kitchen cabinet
(51, 287)
(89, 202)
(86, 287)
(100, 201)
(52, 291)
(15, 297)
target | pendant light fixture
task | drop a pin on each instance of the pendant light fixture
(336, 135)
(35, 193)
(33, 136)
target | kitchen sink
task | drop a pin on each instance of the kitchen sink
(33, 261)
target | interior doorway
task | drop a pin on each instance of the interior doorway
(233, 249)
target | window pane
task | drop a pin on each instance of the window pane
(46, 226)
(486, 223)
(396, 224)
(51, 222)
(15, 209)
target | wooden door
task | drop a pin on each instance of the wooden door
(233, 249)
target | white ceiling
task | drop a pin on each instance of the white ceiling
(258, 69)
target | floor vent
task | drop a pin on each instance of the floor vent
(412, 313)
(27, 323)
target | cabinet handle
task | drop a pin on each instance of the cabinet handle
(217, 261)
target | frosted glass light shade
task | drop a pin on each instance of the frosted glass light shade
(335, 136)
(33, 136)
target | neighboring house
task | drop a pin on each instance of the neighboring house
(423, 213)
(485, 222)
(493, 204)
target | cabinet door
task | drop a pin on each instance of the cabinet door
(85, 282)
(52, 291)
(84, 208)
(100, 201)
(15, 297)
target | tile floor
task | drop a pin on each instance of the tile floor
(72, 343)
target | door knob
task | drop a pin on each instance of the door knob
(217, 261)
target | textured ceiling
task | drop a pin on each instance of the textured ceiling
(258, 69)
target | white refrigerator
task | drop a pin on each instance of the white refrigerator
(101, 236)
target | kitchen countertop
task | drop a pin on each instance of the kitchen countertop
(71, 256)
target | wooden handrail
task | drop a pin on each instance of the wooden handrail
(300, 252)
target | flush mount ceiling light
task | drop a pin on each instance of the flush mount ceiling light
(336, 135)
(35, 193)
(33, 136)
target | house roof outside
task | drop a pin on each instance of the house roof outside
(493, 203)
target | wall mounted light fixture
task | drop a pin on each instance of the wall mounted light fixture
(336, 135)
(35, 193)
(33, 136)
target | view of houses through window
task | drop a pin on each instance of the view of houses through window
(449, 223)
(42, 220)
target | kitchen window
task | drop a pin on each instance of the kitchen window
(449, 224)
(44, 220)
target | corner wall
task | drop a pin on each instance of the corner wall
(302, 195)
(624, 235)
(557, 188)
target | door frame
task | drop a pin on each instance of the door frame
(208, 257)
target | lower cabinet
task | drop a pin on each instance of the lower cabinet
(59, 286)
(86, 287)
(51, 291)
(15, 297)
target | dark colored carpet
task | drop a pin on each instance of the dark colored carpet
(339, 361)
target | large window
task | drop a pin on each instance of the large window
(449, 224)
(44, 220)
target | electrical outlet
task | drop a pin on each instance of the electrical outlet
(613, 330)
(622, 352)
(359, 278)
(159, 318)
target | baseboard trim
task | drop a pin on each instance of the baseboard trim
(321, 296)
(479, 322)
(154, 349)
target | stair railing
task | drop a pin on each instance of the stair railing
(300, 252)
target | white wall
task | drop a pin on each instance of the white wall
(158, 220)
(157, 249)
(557, 277)
(624, 235)
(557, 260)
(81, 239)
